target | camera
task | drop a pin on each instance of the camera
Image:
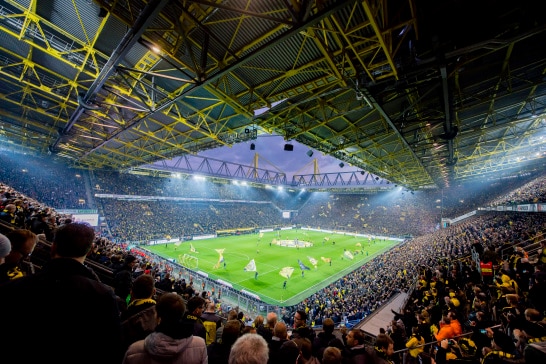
(451, 342)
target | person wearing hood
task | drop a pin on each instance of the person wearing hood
(172, 341)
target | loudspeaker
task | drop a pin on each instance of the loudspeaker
(341, 165)
(310, 153)
(252, 146)
(288, 147)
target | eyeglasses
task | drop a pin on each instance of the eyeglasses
(297, 318)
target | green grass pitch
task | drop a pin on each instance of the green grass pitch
(271, 258)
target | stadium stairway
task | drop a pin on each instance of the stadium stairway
(383, 316)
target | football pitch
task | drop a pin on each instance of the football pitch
(325, 257)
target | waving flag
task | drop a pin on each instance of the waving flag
(220, 258)
(313, 261)
(251, 266)
(326, 260)
(286, 272)
(303, 266)
(192, 249)
(348, 255)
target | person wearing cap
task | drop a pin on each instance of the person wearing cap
(172, 341)
(5, 248)
(63, 313)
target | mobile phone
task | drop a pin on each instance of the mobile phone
(483, 331)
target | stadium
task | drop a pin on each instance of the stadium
(339, 163)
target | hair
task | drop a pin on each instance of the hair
(280, 330)
(231, 332)
(195, 302)
(305, 346)
(249, 349)
(289, 352)
(271, 319)
(143, 287)
(358, 335)
(232, 315)
(247, 329)
(331, 355)
(302, 314)
(533, 314)
(74, 240)
(382, 341)
(328, 325)
(258, 321)
(211, 306)
(19, 237)
(170, 308)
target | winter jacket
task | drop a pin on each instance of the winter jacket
(159, 348)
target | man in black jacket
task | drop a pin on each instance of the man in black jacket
(62, 314)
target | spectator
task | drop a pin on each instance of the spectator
(331, 355)
(355, 351)
(289, 352)
(17, 263)
(211, 322)
(58, 314)
(5, 248)
(8, 214)
(415, 345)
(172, 341)
(300, 326)
(218, 351)
(323, 339)
(249, 349)
(139, 319)
(39, 225)
(123, 280)
(267, 330)
(232, 315)
(280, 336)
(196, 306)
(306, 351)
(382, 350)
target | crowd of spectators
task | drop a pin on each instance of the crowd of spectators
(131, 220)
(460, 312)
(52, 183)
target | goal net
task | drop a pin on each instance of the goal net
(189, 261)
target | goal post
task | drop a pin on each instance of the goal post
(189, 261)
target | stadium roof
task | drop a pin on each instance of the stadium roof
(421, 93)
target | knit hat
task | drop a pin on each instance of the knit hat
(5, 246)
